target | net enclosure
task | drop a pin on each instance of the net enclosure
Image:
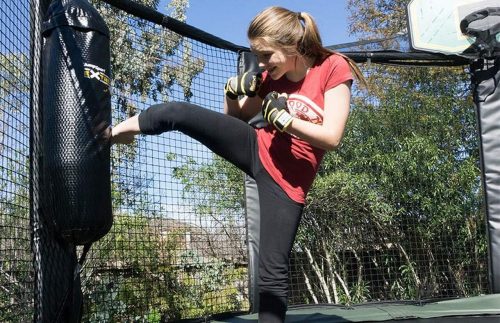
(396, 214)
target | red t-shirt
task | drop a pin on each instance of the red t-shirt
(292, 162)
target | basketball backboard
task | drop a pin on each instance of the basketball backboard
(434, 25)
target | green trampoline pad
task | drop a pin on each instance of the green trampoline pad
(474, 309)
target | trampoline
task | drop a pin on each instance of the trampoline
(474, 309)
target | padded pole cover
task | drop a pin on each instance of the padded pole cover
(486, 91)
(248, 62)
(76, 110)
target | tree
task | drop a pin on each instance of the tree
(16, 269)
(146, 62)
(15, 253)
(398, 205)
(146, 274)
(142, 277)
(217, 189)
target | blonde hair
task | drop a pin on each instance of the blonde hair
(296, 33)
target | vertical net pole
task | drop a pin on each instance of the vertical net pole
(37, 9)
(54, 260)
(486, 91)
(248, 62)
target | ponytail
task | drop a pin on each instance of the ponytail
(311, 45)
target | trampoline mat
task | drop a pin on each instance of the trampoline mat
(474, 309)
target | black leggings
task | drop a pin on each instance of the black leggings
(236, 141)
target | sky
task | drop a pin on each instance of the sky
(229, 19)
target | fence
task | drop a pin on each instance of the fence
(395, 214)
(16, 269)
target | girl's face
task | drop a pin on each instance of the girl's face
(274, 60)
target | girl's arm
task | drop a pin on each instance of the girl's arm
(328, 135)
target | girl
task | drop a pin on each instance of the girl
(304, 94)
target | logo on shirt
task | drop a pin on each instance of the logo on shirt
(302, 107)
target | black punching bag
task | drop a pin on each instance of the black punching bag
(76, 119)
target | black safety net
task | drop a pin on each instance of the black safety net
(396, 213)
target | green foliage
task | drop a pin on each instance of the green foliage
(16, 273)
(207, 282)
(396, 212)
(403, 192)
(378, 18)
(216, 190)
(121, 277)
(15, 253)
(14, 88)
(137, 272)
(216, 186)
(151, 279)
(140, 52)
(147, 61)
(16, 267)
